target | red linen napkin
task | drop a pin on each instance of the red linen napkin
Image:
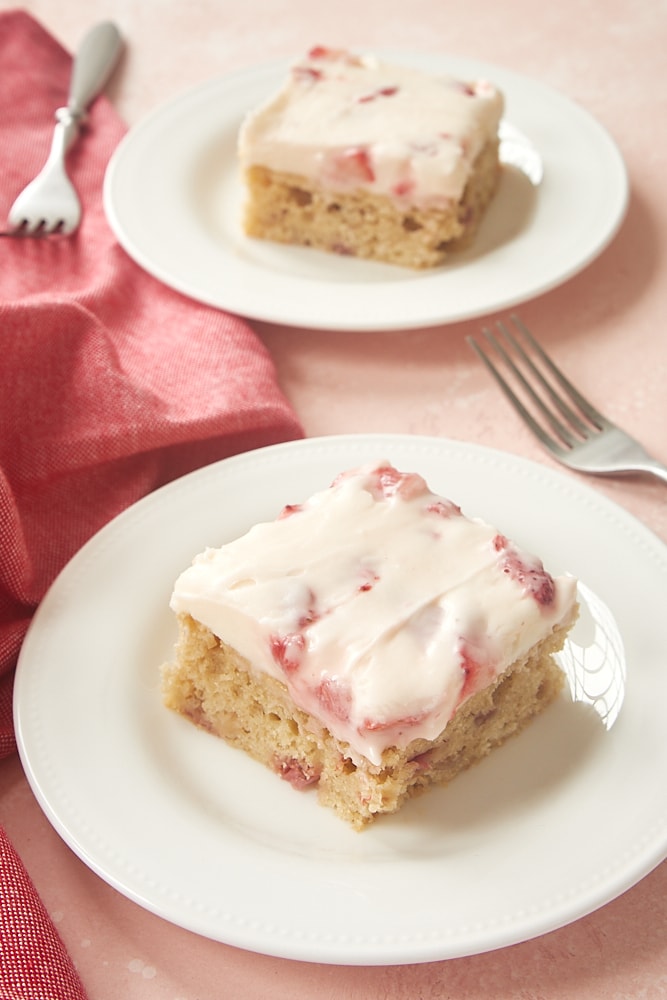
(34, 965)
(110, 385)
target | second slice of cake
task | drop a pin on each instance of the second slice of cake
(362, 158)
(370, 642)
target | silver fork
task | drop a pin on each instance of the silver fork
(49, 204)
(566, 424)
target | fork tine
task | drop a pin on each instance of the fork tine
(546, 439)
(585, 407)
(37, 229)
(551, 419)
(573, 419)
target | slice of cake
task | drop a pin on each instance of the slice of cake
(369, 642)
(379, 161)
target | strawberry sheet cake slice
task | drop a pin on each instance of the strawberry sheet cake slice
(363, 158)
(369, 642)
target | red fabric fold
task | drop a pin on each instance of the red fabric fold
(33, 963)
(110, 385)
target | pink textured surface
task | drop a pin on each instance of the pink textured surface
(607, 325)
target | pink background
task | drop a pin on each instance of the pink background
(607, 325)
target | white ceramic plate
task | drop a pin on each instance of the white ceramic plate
(551, 826)
(173, 198)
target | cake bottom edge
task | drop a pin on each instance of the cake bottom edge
(215, 688)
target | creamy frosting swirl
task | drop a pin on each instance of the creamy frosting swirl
(379, 604)
(348, 121)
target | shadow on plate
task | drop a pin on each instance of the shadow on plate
(516, 780)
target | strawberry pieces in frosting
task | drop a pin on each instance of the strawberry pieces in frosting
(335, 698)
(531, 576)
(353, 166)
(287, 650)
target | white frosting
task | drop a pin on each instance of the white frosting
(352, 122)
(379, 605)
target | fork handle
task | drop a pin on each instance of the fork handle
(655, 468)
(94, 60)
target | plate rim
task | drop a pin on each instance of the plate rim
(502, 936)
(364, 319)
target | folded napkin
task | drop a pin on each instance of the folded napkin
(111, 385)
